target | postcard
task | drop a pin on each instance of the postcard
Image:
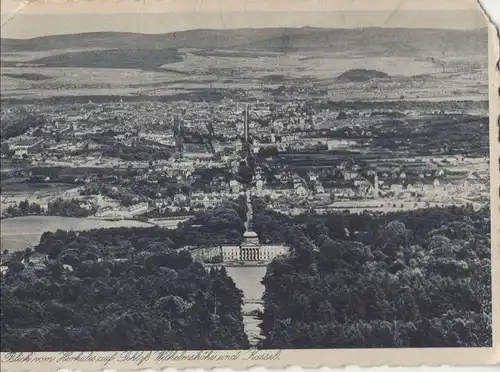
(233, 184)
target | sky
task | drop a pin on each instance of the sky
(33, 18)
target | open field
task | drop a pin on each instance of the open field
(19, 187)
(421, 64)
(23, 56)
(22, 232)
(447, 77)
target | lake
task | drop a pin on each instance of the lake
(19, 233)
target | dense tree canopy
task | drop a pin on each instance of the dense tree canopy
(58, 207)
(78, 298)
(414, 279)
(16, 127)
(408, 279)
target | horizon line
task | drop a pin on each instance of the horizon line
(247, 28)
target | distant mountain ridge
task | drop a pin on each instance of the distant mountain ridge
(389, 41)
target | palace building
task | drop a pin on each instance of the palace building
(250, 250)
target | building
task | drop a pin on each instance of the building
(350, 175)
(234, 186)
(250, 250)
(259, 186)
(20, 153)
(138, 208)
(300, 190)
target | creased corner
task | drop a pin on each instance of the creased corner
(491, 10)
(9, 17)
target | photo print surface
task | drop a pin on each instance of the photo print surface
(243, 181)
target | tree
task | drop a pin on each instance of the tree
(71, 259)
(389, 286)
(5, 148)
(55, 249)
(109, 303)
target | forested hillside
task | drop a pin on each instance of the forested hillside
(401, 41)
(413, 279)
(119, 289)
(409, 279)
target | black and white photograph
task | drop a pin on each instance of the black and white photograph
(245, 181)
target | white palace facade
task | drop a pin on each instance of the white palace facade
(250, 250)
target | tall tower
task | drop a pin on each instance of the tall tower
(375, 184)
(179, 135)
(246, 124)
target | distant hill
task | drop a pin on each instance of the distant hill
(28, 76)
(360, 75)
(150, 52)
(145, 59)
(390, 41)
